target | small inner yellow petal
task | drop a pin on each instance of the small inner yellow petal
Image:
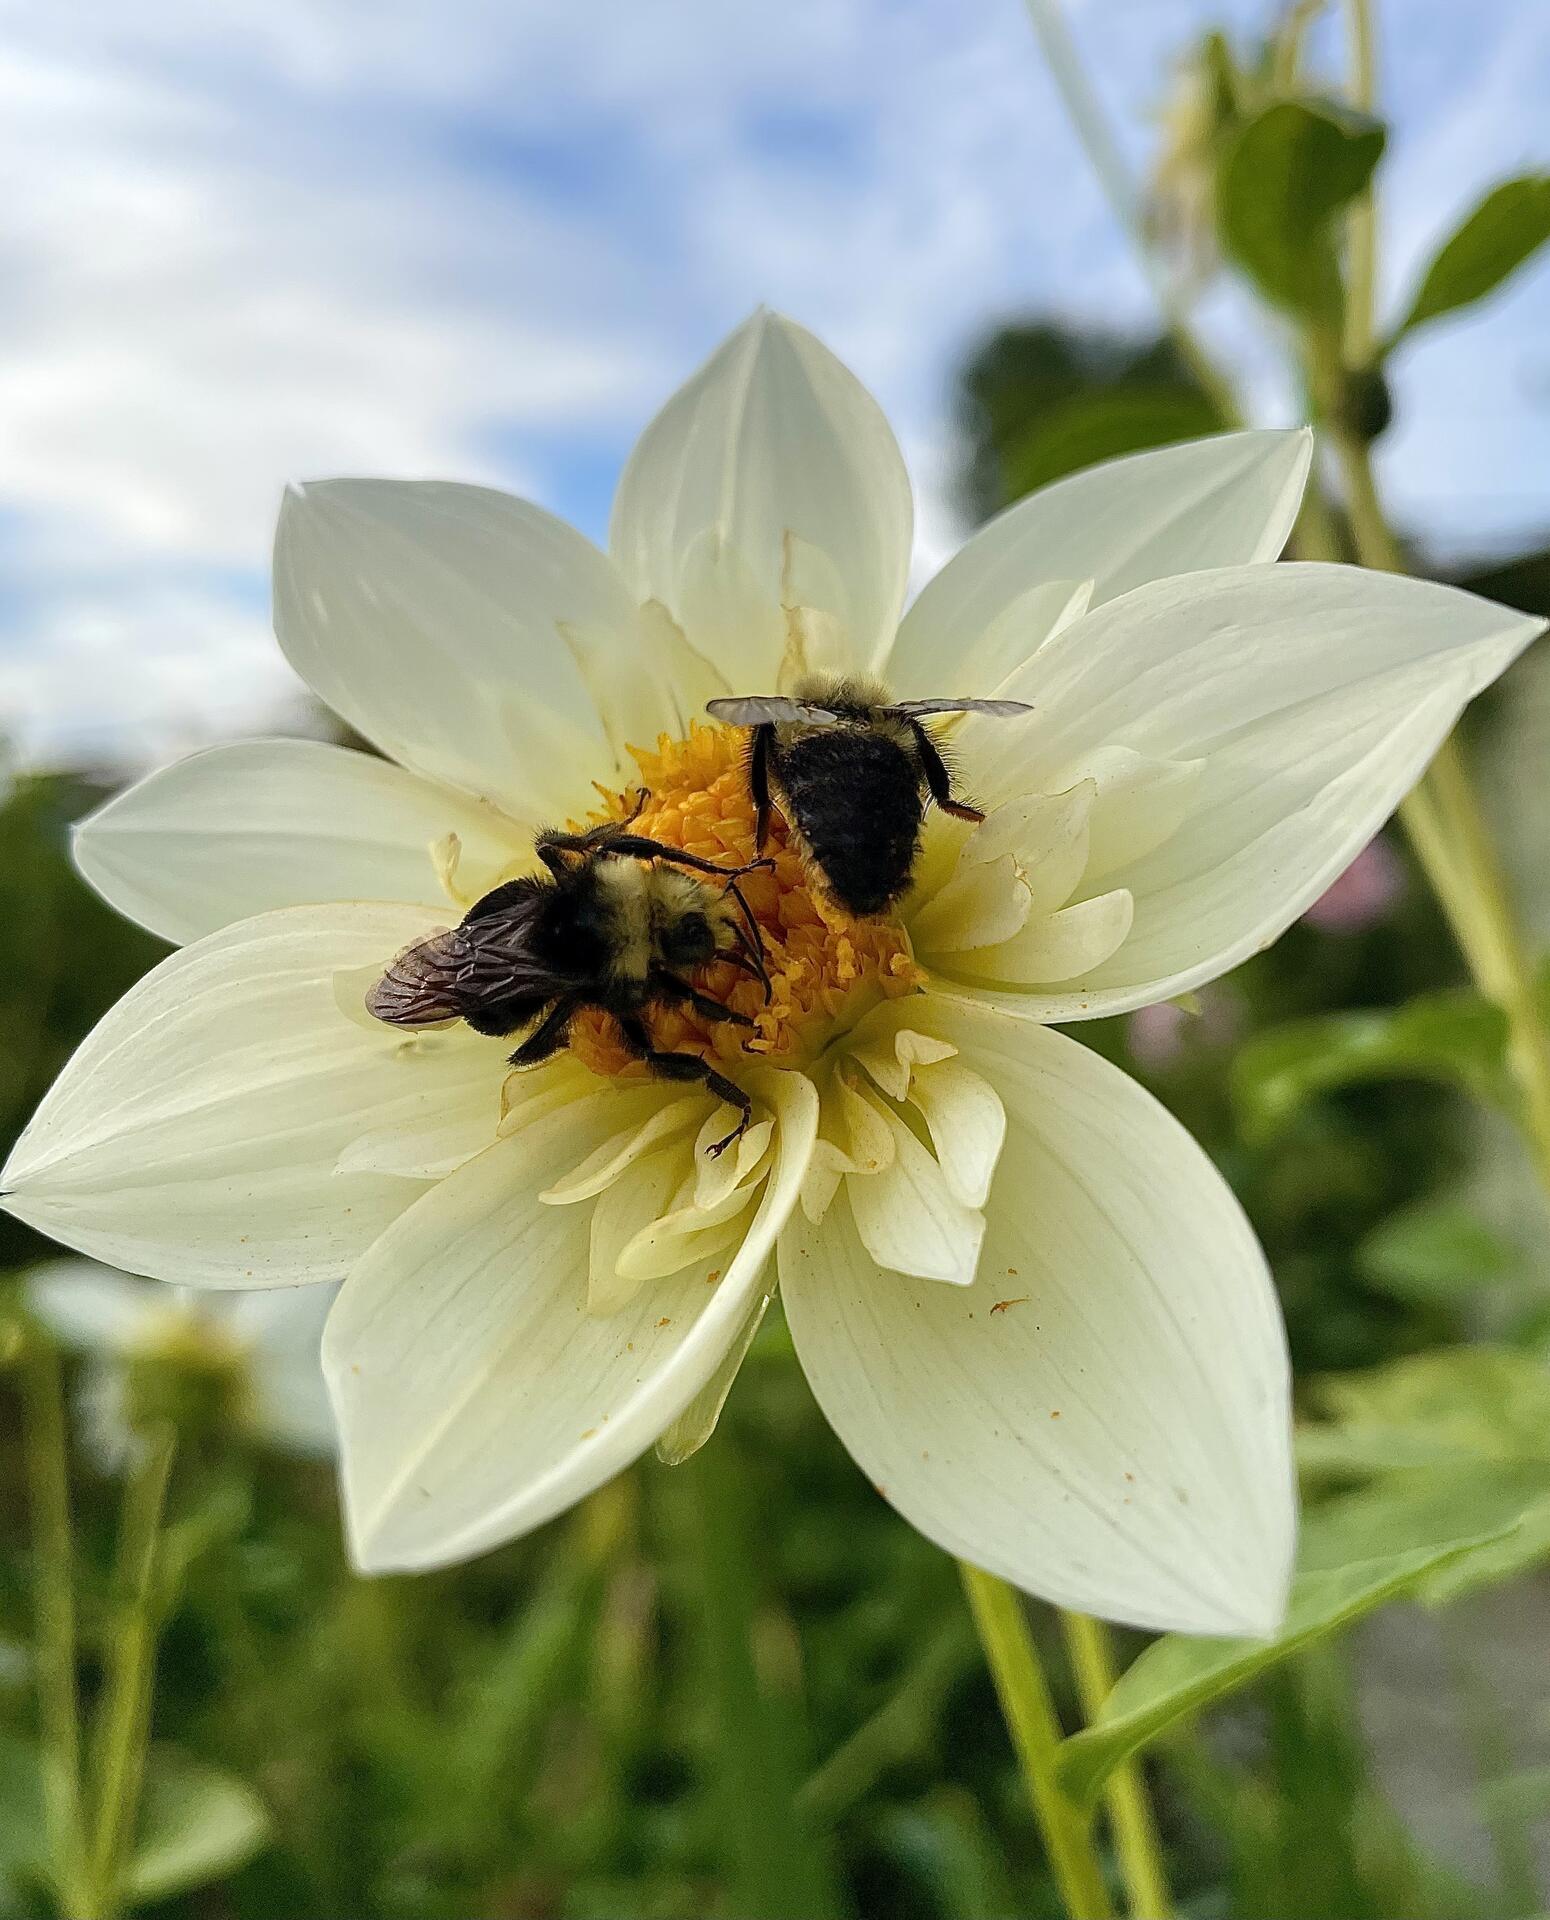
(826, 969)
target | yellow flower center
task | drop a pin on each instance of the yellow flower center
(826, 969)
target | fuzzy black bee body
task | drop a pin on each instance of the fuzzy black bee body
(609, 926)
(855, 798)
(851, 770)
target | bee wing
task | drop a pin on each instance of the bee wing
(766, 710)
(483, 963)
(916, 709)
(421, 987)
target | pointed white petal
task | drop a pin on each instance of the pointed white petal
(476, 1395)
(1103, 1416)
(238, 830)
(983, 904)
(1314, 694)
(1139, 803)
(773, 436)
(640, 1193)
(460, 630)
(195, 1133)
(909, 1218)
(1223, 501)
(1067, 946)
(694, 1426)
(91, 1307)
(967, 1123)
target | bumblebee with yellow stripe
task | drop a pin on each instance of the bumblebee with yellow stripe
(613, 924)
(851, 769)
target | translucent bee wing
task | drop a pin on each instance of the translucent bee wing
(767, 710)
(420, 988)
(1000, 709)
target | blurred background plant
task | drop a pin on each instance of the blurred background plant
(654, 1708)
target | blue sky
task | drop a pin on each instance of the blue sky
(482, 239)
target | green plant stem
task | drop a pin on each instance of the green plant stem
(48, 1488)
(123, 1729)
(1130, 1813)
(1447, 828)
(775, 1864)
(1102, 149)
(1030, 1718)
(1362, 224)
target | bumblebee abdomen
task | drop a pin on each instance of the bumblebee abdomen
(855, 799)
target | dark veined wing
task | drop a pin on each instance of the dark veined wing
(486, 962)
(917, 709)
(767, 710)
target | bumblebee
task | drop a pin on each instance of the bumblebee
(613, 924)
(851, 770)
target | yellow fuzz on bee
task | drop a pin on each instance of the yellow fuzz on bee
(826, 969)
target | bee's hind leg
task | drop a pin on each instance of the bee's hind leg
(670, 987)
(689, 1066)
(939, 781)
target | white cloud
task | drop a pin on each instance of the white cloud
(256, 242)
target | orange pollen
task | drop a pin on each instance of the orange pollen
(826, 968)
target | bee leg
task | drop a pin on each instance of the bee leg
(689, 1066)
(939, 781)
(670, 987)
(759, 783)
(547, 1037)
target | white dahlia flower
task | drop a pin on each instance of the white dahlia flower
(1027, 1303)
(248, 1361)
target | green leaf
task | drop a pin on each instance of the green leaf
(1455, 1037)
(1507, 228)
(1434, 1504)
(1281, 183)
(197, 1824)
(1436, 1252)
(1177, 1676)
(1100, 425)
(1456, 1404)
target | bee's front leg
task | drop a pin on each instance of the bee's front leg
(688, 1066)
(668, 986)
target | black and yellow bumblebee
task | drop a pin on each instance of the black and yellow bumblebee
(851, 769)
(613, 924)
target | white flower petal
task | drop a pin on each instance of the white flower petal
(908, 1217)
(1138, 804)
(983, 904)
(446, 1122)
(91, 1307)
(927, 664)
(1069, 945)
(649, 1120)
(238, 830)
(476, 1395)
(1222, 501)
(1103, 1416)
(773, 436)
(892, 1051)
(195, 1133)
(967, 1123)
(639, 1194)
(462, 631)
(1314, 694)
(694, 1426)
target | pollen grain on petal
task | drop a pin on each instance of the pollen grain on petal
(826, 969)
